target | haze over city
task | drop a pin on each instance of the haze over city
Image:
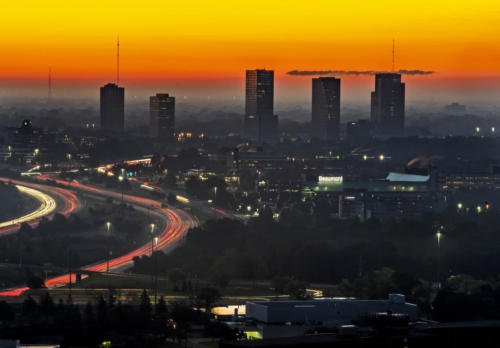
(199, 49)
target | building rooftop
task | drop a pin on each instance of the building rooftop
(403, 177)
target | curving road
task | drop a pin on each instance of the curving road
(45, 194)
(177, 223)
(47, 206)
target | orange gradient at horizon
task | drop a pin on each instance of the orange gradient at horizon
(204, 40)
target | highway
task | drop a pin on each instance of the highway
(193, 202)
(48, 205)
(177, 223)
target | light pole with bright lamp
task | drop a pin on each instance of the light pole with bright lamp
(156, 271)
(120, 179)
(152, 251)
(108, 226)
(439, 235)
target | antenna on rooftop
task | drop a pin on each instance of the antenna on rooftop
(118, 60)
(49, 95)
(392, 55)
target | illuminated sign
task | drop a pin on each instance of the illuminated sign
(330, 178)
(349, 198)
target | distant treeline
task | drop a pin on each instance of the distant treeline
(295, 246)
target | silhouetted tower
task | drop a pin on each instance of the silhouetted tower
(113, 100)
(388, 105)
(112, 107)
(260, 122)
(326, 108)
(162, 115)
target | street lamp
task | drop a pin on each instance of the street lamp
(439, 235)
(153, 240)
(381, 157)
(108, 226)
(155, 260)
(120, 179)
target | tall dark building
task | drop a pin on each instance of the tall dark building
(260, 122)
(326, 108)
(112, 107)
(162, 115)
(388, 105)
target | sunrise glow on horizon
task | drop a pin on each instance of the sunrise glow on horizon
(202, 43)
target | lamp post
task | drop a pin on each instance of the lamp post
(156, 271)
(120, 179)
(108, 226)
(438, 237)
(152, 226)
(215, 200)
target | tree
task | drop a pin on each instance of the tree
(176, 276)
(102, 311)
(29, 306)
(47, 305)
(161, 307)
(32, 281)
(207, 296)
(279, 283)
(266, 215)
(145, 306)
(296, 289)
(88, 315)
(171, 198)
(6, 312)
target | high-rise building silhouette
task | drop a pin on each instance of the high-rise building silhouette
(260, 122)
(162, 115)
(112, 107)
(326, 108)
(388, 105)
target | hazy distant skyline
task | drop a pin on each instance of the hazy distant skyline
(202, 49)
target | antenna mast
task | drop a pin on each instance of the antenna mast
(392, 55)
(49, 96)
(118, 60)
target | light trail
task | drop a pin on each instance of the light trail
(47, 206)
(68, 198)
(177, 223)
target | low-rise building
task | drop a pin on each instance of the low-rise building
(296, 318)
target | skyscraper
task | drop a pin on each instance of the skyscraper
(326, 108)
(260, 122)
(388, 105)
(162, 115)
(112, 107)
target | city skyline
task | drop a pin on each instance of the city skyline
(460, 45)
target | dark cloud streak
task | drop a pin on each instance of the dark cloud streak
(354, 72)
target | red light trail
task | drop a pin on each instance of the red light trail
(177, 224)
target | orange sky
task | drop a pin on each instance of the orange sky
(206, 42)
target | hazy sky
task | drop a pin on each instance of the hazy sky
(203, 47)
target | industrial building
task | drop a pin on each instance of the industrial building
(296, 318)
(399, 195)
